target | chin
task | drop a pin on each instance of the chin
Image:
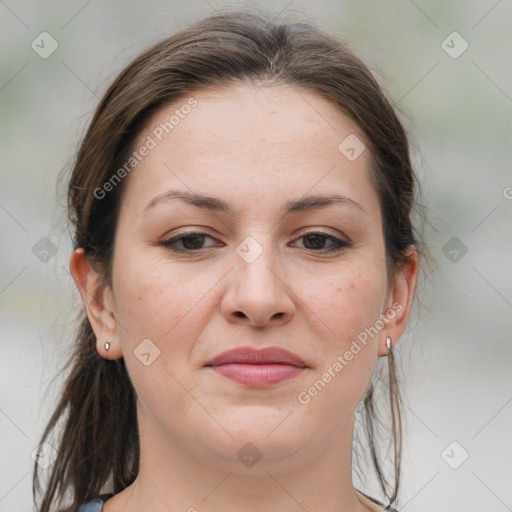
(258, 442)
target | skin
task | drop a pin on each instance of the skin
(255, 148)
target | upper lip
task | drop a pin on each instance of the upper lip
(249, 355)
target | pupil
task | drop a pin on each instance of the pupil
(194, 239)
(318, 238)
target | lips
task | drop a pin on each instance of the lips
(257, 368)
(248, 355)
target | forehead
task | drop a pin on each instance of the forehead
(243, 139)
(268, 113)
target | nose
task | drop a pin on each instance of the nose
(258, 294)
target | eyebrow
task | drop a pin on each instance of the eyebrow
(215, 204)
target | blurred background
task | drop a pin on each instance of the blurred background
(446, 66)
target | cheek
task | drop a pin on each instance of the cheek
(168, 304)
(349, 305)
(155, 299)
(158, 303)
(347, 302)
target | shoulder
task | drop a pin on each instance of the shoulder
(95, 505)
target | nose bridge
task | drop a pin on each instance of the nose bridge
(256, 264)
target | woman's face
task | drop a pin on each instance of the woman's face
(264, 272)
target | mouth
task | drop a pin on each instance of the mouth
(257, 368)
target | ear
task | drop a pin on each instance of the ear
(99, 304)
(400, 300)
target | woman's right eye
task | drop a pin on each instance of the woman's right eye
(190, 242)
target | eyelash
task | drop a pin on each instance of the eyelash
(171, 243)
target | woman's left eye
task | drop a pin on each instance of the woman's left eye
(319, 239)
(192, 242)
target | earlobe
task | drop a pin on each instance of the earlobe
(109, 350)
(400, 299)
(97, 299)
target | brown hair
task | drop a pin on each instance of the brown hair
(97, 452)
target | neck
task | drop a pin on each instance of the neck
(174, 478)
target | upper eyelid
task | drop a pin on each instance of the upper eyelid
(309, 231)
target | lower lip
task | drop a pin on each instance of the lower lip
(257, 375)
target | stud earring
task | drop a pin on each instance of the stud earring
(388, 343)
(107, 346)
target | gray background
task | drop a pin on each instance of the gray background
(456, 356)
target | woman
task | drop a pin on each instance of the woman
(241, 205)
